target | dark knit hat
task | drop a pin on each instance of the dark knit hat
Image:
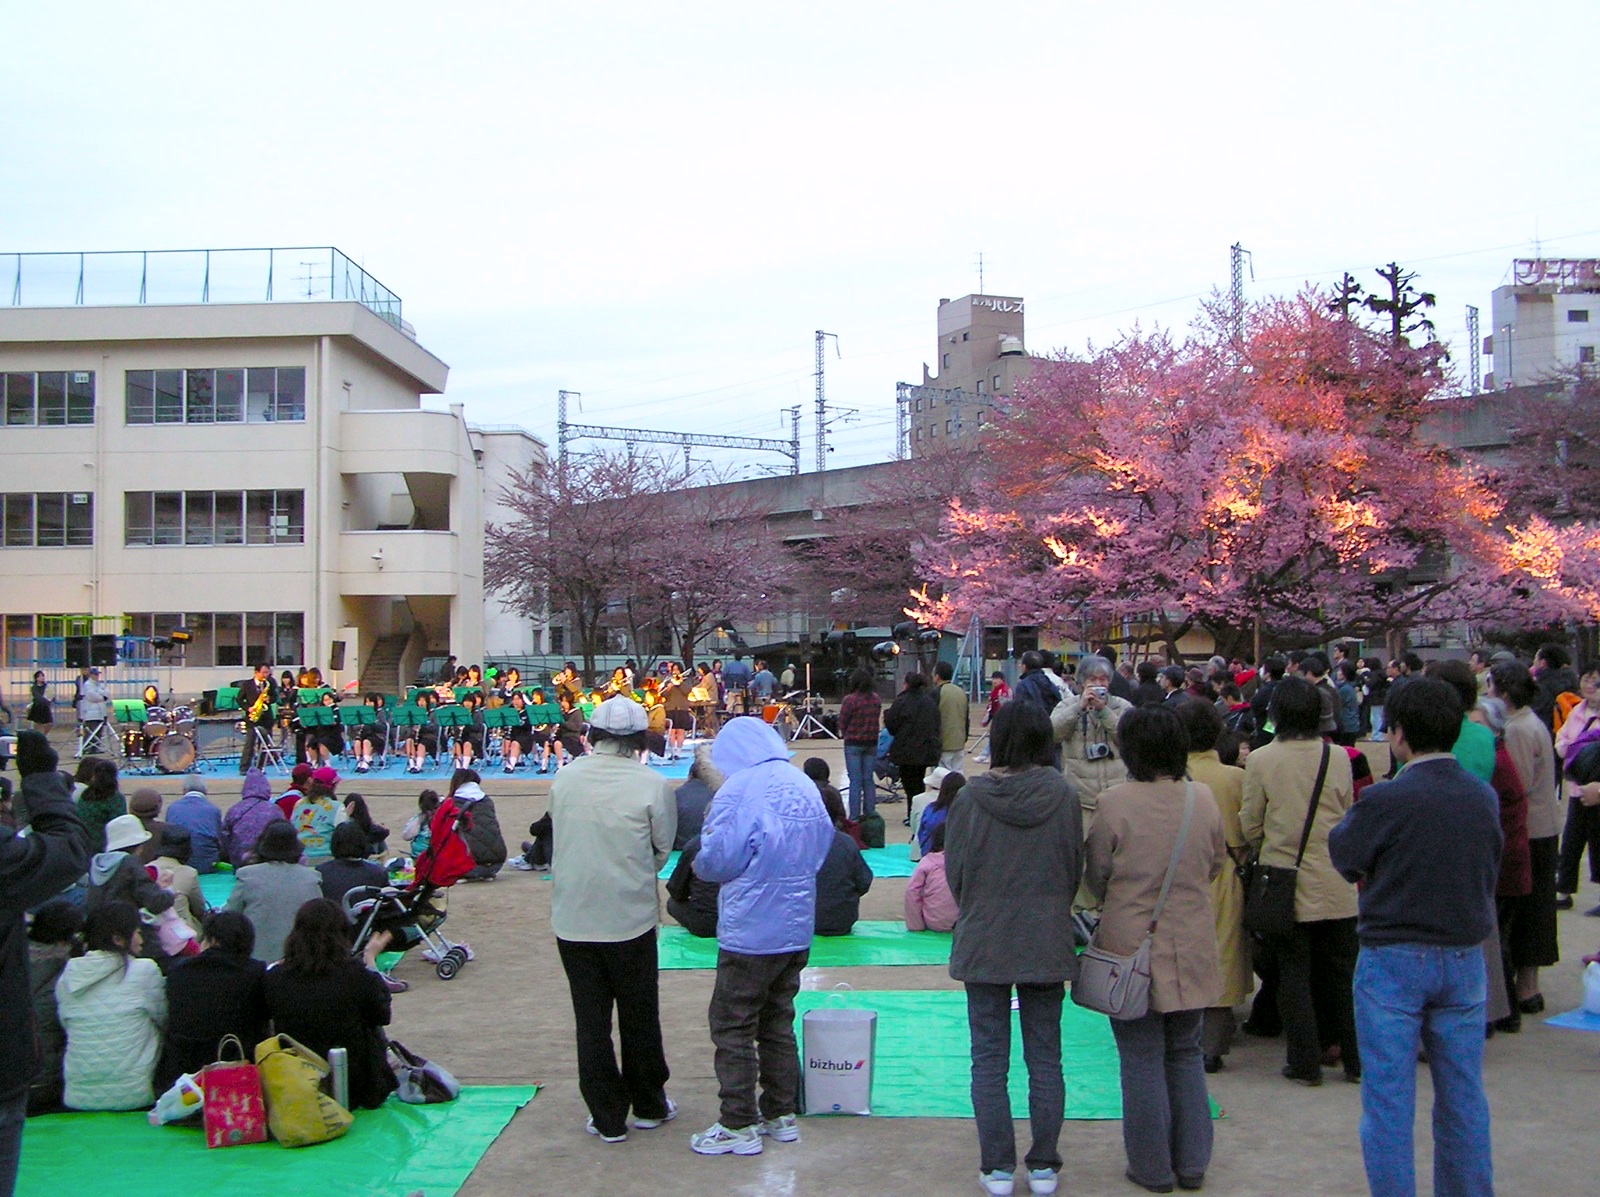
(34, 754)
(145, 803)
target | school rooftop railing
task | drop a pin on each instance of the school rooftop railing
(282, 274)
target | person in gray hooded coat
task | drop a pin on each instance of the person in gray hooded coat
(1014, 858)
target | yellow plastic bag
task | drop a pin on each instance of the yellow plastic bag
(299, 1113)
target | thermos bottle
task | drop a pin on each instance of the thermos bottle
(339, 1067)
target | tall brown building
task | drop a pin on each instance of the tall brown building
(980, 357)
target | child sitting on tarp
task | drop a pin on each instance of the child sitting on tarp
(844, 876)
(691, 900)
(930, 906)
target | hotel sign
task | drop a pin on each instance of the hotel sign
(1563, 272)
(996, 304)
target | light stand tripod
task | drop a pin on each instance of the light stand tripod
(809, 724)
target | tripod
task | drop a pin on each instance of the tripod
(809, 724)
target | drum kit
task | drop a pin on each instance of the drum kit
(167, 739)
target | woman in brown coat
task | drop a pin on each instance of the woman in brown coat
(1166, 1112)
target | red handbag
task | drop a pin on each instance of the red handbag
(234, 1110)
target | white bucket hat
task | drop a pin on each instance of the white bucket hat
(124, 832)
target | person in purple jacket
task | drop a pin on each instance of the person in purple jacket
(765, 836)
(242, 825)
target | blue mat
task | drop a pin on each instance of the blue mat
(891, 861)
(1575, 1020)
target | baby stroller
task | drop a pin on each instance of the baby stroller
(410, 915)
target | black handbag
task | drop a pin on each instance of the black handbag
(1269, 893)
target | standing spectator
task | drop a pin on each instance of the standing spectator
(39, 713)
(94, 707)
(955, 718)
(1552, 669)
(269, 892)
(1426, 848)
(246, 818)
(1150, 824)
(1347, 684)
(1086, 728)
(1529, 923)
(1516, 873)
(930, 906)
(844, 878)
(33, 868)
(1173, 679)
(913, 720)
(1013, 860)
(859, 716)
(762, 684)
(736, 675)
(765, 838)
(1226, 783)
(1035, 684)
(1120, 685)
(1315, 960)
(1582, 830)
(691, 798)
(614, 821)
(196, 812)
(1272, 671)
(1378, 694)
(113, 1006)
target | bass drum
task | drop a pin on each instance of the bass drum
(175, 753)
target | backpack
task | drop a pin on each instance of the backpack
(1565, 702)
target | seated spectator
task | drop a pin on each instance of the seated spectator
(270, 891)
(817, 770)
(315, 816)
(693, 797)
(299, 780)
(349, 867)
(691, 900)
(480, 825)
(933, 785)
(97, 797)
(844, 876)
(324, 998)
(416, 830)
(211, 995)
(204, 821)
(377, 835)
(538, 853)
(934, 816)
(113, 1007)
(115, 875)
(52, 941)
(930, 906)
(174, 874)
(246, 818)
(146, 803)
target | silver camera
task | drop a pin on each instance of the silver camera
(1097, 751)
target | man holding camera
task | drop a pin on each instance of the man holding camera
(1086, 730)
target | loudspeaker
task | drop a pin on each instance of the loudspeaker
(995, 646)
(77, 651)
(1024, 640)
(336, 656)
(807, 653)
(103, 649)
(208, 703)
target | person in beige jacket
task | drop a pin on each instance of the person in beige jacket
(1316, 961)
(1204, 724)
(1166, 1115)
(1085, 727)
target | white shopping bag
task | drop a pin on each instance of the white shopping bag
(836, 1049)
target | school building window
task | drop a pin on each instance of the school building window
(51, 520)
(205, 517)
(229, 638)
(232, 395)
(46, 399)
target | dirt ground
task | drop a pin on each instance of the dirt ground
(507, 1019)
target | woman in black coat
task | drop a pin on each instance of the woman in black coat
(322, 997)
(913, 721)
(212, 995)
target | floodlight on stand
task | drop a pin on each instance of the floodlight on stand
(929, 636)
(885, 650)
(182, 635)
(161, 643)
(905, 630)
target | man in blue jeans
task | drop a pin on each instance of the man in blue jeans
(36, 864)
(1426, 847)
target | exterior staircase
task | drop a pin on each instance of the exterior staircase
(380, 672)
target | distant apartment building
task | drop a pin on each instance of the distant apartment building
(980, 356)
(1545, 323)
(254, 467)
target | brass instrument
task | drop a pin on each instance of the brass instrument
(260, 703)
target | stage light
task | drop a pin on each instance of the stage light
(906, 630)
(885, 650)
(929, 636)
(182, 635)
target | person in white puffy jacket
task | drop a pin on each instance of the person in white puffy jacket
(113, 1006)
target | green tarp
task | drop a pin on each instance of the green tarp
(388, 1152)
(870, 943)
(891, 861)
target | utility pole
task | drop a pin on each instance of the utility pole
(822, 397)
(1474, 358)
(1237, 253)
(563, 433)
(794, 438)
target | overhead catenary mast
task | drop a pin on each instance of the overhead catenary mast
(822, 397)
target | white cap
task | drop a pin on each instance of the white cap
(619, 716)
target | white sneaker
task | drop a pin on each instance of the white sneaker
(518, 862)
(593, 1130)
(719, 1140)
(781, 1130)
(1042, 1180)
(652, 1123)
(996, 1183)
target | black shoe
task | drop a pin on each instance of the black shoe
(1213, 1064)
(1532, 1005)
(1593, 912)
(1352, 1075)
(1191, 1184)
(1563, 901)
(1509, 1025)
(1309, 1079)
(1147, 1188)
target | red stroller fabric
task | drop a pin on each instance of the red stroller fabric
(447, 858)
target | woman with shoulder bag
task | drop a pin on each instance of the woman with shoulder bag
(1296, 789)
(1156, 845)
(1013, 861)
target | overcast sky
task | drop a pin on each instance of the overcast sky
(656, 205)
